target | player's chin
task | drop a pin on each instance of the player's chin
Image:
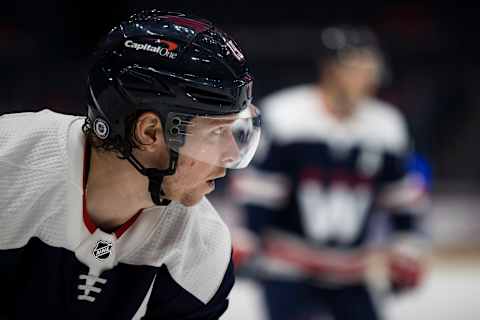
(206, 188)
(195, 196)
(190, 201)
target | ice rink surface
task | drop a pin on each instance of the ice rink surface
(451, 291)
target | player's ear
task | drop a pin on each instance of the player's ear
(148, 132)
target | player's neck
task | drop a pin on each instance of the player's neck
(115, 190)
(335, 104)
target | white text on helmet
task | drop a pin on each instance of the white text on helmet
(162, 51)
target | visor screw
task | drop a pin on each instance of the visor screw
(174, 131)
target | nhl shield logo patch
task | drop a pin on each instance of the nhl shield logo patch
(102, 249)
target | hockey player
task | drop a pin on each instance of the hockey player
(104, 216)
(332, 156)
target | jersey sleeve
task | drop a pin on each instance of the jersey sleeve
(404, 192)
(32, 167)
(416, 185)
(182, 305)
(219, 303)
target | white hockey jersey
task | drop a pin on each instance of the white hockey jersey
(173, 262)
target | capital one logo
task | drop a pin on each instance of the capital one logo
(102, 249)
(165, 48)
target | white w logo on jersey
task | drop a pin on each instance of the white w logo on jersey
(334, 213)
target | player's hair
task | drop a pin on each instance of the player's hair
(116, 144)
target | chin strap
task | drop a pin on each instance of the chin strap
(155, 177)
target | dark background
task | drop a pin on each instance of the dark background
(432, 49)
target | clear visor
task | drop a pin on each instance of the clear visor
(228, 141)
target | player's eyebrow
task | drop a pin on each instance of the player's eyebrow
(216, 122)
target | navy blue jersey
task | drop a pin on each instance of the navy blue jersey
(167, 262)
(320, 178)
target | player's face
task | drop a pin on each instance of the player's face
(209, 147)
(192, 180)
(357, 76)
(212, 140)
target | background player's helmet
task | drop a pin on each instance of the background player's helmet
(339, 41)
(182, 68)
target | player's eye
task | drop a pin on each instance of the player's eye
(217, 131)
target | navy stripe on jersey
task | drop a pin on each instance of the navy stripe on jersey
(170, 301)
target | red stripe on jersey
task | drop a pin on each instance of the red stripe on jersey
(124, 227)
(336, 175)
(86, 217)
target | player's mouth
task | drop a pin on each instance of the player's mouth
(211, 182)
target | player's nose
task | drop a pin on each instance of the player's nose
(230, 153)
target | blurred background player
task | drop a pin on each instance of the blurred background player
(332, 157)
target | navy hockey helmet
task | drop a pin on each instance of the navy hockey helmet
(184, 69)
